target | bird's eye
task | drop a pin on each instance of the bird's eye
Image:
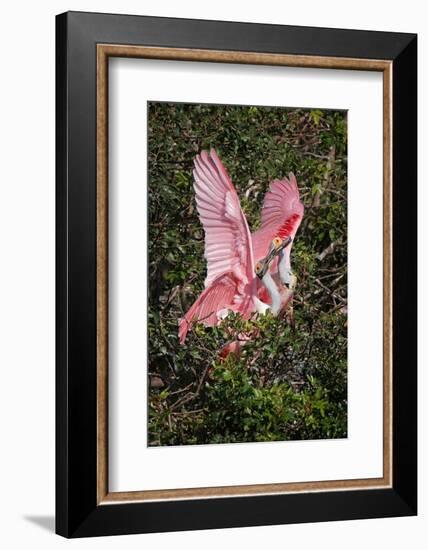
(258, 267)
(276, 242)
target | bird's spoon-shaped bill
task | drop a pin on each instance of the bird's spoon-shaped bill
(275, 248)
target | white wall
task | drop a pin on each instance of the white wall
(27, 271)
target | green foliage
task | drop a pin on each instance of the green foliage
(286, 384)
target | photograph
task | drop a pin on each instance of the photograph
(247, 274)
(212, 307)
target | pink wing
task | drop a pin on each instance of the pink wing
(228, 246)
(222, 294)
(281, 214)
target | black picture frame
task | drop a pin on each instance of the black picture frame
(78, 513)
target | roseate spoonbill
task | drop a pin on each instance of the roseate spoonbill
(277, 293)
(239, 263)
(280, 285)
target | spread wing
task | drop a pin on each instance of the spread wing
(282, 213)
(228, 245)
(212, 305)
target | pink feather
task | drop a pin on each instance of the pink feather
(230, 248)
(282, 210)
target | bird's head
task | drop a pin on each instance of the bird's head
(261, 267)
(275, 248)
(278, 244)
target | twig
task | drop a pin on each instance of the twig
(329, 250)
(331, 292)
(182, 389)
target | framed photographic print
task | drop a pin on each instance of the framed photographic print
(236, 274)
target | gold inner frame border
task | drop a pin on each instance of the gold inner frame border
(104, 52)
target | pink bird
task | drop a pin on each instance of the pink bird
(243, 274)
